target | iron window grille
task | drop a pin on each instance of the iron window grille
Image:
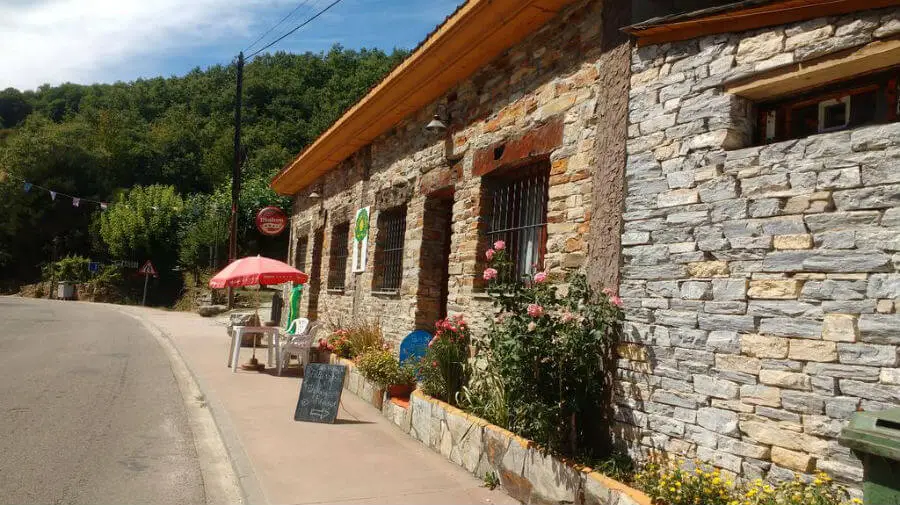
(337, 262)
(518, 216)
(300, 256)
(391, 232)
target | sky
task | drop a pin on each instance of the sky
(90, 41)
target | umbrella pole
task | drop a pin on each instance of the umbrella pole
(253, 364)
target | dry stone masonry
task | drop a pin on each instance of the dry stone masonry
(537, 102)
(761, 283)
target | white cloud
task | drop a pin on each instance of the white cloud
(54, 41)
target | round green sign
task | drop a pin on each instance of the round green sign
(362, 225)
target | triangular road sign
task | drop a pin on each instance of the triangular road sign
(148, 269)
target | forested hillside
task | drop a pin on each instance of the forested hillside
(100, 142)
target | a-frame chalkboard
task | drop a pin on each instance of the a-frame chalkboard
(320, 393)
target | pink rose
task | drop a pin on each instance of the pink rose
(490, 254)
(535, 310)
(434, 364)
(568, 317)
(540, 277)
(490, 273)
(499, 245)
(531, 326)
(615, 300)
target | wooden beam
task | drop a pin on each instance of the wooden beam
(797, 77)
(778, 13)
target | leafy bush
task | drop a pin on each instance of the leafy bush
(444, 367)
(821, 491)
(485, 394)
(379, 367)
(71, 269)
(356, 339)
(553, 354)
(339, 344)
(673, 484)
(406, 375)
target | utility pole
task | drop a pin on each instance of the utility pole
(236, 174)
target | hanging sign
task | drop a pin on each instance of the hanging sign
(271, 221)
(360, 239)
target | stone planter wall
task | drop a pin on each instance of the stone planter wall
(761, 283)
(525, 472)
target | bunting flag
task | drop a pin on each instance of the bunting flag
(27, 186)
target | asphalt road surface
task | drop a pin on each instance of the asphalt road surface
(90, 411)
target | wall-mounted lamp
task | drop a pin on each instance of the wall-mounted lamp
(440, 121)
(314, 195)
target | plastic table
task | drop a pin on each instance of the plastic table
(237, 336)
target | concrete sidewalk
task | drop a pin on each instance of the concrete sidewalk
(362, 458)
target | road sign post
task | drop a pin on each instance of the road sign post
(147, 270)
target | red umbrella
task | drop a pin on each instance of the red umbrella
(256, 270)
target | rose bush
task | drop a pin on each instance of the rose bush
(550, 356)
(443, 370)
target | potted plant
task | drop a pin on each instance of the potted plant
(404, 381)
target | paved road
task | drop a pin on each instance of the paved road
(90, 411)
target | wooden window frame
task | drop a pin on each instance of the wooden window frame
(884, 83)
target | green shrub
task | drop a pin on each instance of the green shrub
(554, 357)
(674, 484)
(356, 339)
(444, 368)
(378, 366)
(406, 375)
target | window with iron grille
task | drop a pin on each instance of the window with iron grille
(301, 252)
(389, 252)
(337, 262)
(517, 215)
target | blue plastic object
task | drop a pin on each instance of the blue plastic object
(414, 345)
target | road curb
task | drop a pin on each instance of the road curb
(215, 437)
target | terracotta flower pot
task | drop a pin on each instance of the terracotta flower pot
(400, 390)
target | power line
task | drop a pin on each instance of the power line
(301, 25)
(304, 2)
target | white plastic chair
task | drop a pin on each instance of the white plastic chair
(298, 326)
(298, 345)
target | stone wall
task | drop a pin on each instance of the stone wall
(536, 102)
(523, 469)
(761, 283)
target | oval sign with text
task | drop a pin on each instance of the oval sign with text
(271, 221)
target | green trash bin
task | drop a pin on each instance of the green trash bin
(875, 438)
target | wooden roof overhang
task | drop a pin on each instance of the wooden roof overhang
(741, 16)
(475, 34)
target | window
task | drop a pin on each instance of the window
(847, 104)
(301, 252)
(389, 251)
(517, 206)
(337, 261)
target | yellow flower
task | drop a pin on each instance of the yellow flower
(717, 480)
(856, 500)
(672, 489)
(817, 482)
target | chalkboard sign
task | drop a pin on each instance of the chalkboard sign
(320, 393)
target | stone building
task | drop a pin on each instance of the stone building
(533, 95)
(761, 239)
